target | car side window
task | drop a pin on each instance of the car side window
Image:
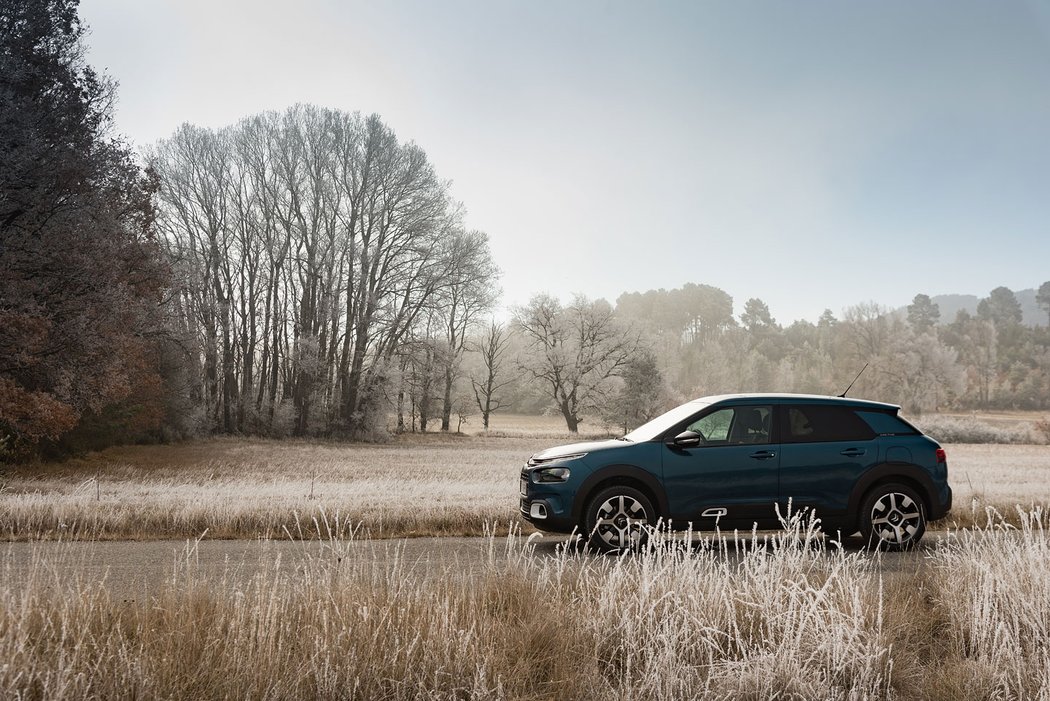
(887, 424)
(714, 427)
(734, 426)
(817, 423)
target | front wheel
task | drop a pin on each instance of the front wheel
(618, 518)
(893, 517)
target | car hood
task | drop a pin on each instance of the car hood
(573, 448)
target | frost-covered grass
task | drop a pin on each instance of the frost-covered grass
(783, 617)
(970, 429)
(416, 485)
(992, 585)
(547, 426)
(1001, 477)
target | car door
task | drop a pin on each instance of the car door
(824, 449)
(731, 477)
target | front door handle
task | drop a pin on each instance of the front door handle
(852, 452)
(763, 455)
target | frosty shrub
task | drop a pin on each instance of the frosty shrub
(950, 429)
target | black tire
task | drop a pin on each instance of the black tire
(892, 517)
(618, 518)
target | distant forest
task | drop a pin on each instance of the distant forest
(1033, 312)
(307, 273)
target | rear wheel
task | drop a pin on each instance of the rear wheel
(892, 517)
(618, 518)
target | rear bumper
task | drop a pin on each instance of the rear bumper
(941, 510)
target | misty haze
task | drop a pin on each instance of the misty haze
(295, 300)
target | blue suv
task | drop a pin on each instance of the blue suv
(730, 461)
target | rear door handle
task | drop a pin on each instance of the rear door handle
(852, 452)
(763, 455)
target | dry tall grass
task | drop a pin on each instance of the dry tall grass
(788, 617)
(416, 485)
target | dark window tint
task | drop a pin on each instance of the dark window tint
(887, 424)
(806, 424)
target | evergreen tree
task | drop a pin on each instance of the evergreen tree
(923, 313)
(1042, 298)
(1000, 307)
(756, 316)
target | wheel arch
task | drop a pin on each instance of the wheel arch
(626, 475)
(907, 474)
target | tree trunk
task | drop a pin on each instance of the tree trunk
(446, 406)
(424, 411)
(229, 378)
(401, 395)
(571, 420)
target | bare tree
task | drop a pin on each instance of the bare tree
(467, 293)
(312, 246)
(641, 396)
(867, 326)
(195, 173)
(491, 347)
(920, 372)
(574, 351)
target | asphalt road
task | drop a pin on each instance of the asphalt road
(137, 569)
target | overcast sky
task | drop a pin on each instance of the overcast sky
(813, 154)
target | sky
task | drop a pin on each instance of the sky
(811, 154)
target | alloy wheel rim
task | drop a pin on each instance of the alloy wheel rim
(896, 518)
(621, 521)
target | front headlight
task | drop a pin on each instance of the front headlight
(550, 474)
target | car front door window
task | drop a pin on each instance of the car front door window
(714, 427)
(734, 426)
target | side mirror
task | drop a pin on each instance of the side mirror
(687, 439)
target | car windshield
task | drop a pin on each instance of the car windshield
(652, 429)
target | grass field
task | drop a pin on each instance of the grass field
(785, 618)
(788, 617)
(1001, 418)
(414, 485)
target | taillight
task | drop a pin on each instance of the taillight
(941, 455)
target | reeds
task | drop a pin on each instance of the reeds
(733, 617)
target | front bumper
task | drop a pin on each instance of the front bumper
(545, 511)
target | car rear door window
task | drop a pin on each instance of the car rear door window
(819, 423)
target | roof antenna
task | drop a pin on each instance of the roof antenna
(855, 380)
